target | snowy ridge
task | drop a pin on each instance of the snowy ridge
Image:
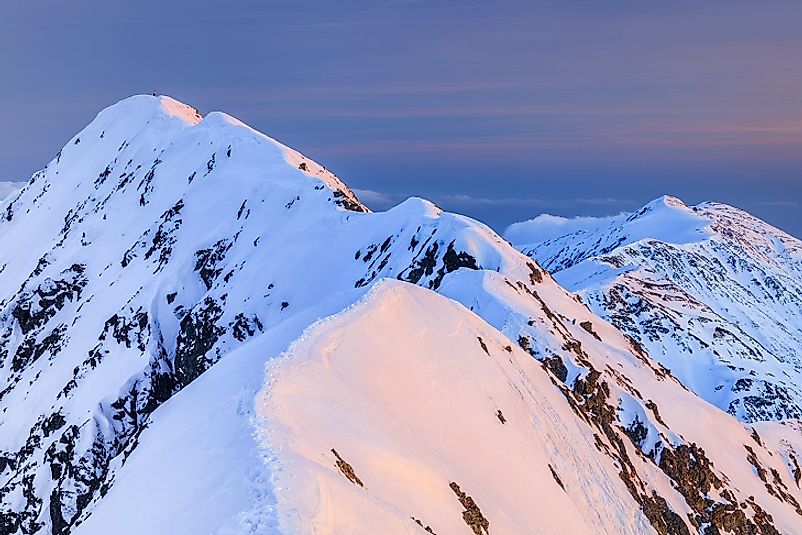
(567, 242)
(177, 256)
(132, 290)
(712, 292)
(376, 412)
(415, 422)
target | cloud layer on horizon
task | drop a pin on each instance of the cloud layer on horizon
(540, 100)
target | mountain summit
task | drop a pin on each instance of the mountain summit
(712, 292)
(203, 331)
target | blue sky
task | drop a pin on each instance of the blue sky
(500, 110)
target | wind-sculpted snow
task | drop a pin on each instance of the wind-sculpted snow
(377, 414)
(712, 292)
(163, 240)
(162, 259)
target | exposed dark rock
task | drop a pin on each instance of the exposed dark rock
(243, 328)
(452, 261)
(588, 326)
(348, 200)
(423, 266)
(207, 261)
(31, 349)
(346, 469)
(557, 367)
(128, 331)
(637, 432)
(427, 529)
(210, 164)
(471, 515)
(525, 344)
(797, 471)
(58, 525)
(198, 332)
(556, 477)
(652, 406)
(164, 238)
(589, 399)
(535, 275)
(33, 309)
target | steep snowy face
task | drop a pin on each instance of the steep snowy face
(400, 409)
(154, 243)
(712, 292)
(162, 259)
(113, 291)
(409, 413)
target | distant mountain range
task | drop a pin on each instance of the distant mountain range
(713, 293)
(204, 331)
(9, 187)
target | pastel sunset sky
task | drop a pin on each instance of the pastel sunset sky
(499, 110)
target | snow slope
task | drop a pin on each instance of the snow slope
(176, 256)
(374, 413)
(712, 292)
(164, 241)
(401, 387)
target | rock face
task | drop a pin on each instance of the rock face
(162, 259)
(711, 292)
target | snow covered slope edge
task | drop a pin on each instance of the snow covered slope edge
(712, 292)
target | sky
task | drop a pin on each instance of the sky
(498, 110)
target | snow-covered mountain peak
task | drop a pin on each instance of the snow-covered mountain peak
(571, 240)
(151, 272)
(174, 108)
(668, 200)
(146, 107)
(667, 219)
(713, 292)
(164, 240)
(145, 131)
(418, 205)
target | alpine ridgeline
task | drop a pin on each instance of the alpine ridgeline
(712, 292)
(203, 331)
